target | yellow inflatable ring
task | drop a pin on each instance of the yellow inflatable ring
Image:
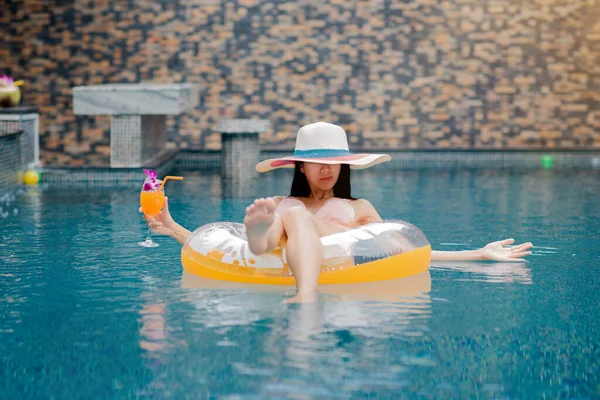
(374, 252)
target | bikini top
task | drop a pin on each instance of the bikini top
(335, 211)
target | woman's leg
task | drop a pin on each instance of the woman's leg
(304, 252)
(264, 228)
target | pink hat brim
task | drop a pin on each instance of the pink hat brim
(356, 161)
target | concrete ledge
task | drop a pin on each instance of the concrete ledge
(139, 99)
(233, 126)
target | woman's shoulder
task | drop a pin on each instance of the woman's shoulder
(285, 199)
(361, 203)
(277, 199)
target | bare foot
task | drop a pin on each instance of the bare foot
(259, 217)
(306, 297)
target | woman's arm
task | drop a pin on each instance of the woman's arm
(179, 233)
(464, 255)
(366, 214)
(164, 224)
(492, 251)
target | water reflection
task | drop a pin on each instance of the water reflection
(152, 330)
(153, 338)
(326, 349)
(364, 305)
(398, 291)
(491, 272)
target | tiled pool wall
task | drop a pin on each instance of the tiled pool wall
(401, 160)
(444, 159)
(105, 176)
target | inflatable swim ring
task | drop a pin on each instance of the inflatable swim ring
(374, 252)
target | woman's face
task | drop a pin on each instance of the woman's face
(321, 176)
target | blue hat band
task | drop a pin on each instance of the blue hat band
(321, 153)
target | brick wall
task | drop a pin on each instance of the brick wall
(416, 74)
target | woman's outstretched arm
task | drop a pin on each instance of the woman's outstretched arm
(495, 251)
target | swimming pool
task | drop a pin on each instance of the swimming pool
(86, 313)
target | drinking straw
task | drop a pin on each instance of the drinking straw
(175, 178)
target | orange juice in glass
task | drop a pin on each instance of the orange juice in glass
(152, 199)
(152, 202)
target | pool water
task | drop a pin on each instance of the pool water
(87, 313)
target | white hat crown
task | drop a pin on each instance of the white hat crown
(321, 135)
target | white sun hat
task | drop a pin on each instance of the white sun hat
(323, 143)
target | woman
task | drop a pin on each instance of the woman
(320, 204)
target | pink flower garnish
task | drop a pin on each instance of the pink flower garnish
(150, 174)
(151, 183)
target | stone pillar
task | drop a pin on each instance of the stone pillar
(240, 152)
(134, 139)
(138, 134)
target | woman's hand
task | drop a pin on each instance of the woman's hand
(163, 223)
(498, 252)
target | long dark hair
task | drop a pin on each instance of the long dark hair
(341, 188)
